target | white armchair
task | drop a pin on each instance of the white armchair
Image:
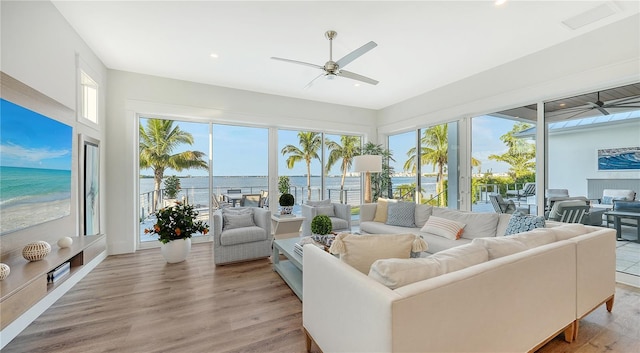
(340, 215)
(241, 234)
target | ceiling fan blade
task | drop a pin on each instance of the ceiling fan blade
(622, 101)
(355, 54)
(354, 76)
(603, 111)
(298, 62)
(311, 83)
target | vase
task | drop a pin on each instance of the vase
(176, 250)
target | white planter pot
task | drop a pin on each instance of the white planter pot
(176, 250)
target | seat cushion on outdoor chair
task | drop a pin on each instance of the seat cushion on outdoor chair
(242, 235)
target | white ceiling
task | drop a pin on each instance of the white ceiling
(421, 45)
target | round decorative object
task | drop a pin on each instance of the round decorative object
(36, 251)
(65, 242)
(4, 271)
(176, 250)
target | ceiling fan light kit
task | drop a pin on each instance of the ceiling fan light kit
(332, 69)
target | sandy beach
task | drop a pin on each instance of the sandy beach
(23, 216)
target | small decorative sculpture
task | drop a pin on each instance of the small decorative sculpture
(36, 251)
(4, 271)
(65, 242)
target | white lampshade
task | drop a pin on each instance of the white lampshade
(367, 163)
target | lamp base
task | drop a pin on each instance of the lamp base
(367, 187)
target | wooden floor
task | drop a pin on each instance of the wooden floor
(138, 303)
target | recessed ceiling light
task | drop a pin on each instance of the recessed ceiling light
(213, 55)
(500, 2)
(356, 84)
(563, 104)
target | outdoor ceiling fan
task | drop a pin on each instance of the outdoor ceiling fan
(333, 69)
(601, 106)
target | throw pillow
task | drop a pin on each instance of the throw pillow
(325, 210)
(322, 203)
(402, 214)
(232, 221)
(237, 210)
(443, 227)
(519, 223)
(499, 247)
(360, 251)
(607, 200)
(382, 210)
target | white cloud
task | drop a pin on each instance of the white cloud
(12, 151)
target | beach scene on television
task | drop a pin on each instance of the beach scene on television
(35, 168)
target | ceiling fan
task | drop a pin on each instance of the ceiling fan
(333, 69)
(601, 106)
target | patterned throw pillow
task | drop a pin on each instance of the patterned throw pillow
(523, 223)
(607, 200)
(443, 227)
(402, 214)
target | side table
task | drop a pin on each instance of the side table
(286, 227)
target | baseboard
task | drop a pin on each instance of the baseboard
(13, 329)
(628, 279)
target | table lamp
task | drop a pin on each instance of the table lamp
(367, 164)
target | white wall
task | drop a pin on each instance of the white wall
(573, 155)
(39, 49)
(131, 93)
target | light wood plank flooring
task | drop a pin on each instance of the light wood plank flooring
(138, 303)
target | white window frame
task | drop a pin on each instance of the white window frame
(87, 84)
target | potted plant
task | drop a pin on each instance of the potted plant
(174, 226)
(321, 225)
(171, 190)
(286, 202)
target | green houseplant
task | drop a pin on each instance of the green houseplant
(174, 227)
(321, 224)
(286, 202)
(172, 187)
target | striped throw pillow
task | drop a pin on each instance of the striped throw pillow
(443, 227)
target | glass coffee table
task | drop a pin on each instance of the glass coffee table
(290, 269)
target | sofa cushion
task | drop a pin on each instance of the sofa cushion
(569, 231)
(438, 243)
(536, 237)
(395, 273)
(522, 223)
(401, 214)
(231, 220)
(422, 214)
(477, 225)
(443, 227)
(499, 247)
(320, 203)
(325, 210)
(338, 223)
(382, 210)
(360, 251)
(242, 235)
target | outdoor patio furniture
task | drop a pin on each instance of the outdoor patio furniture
(554, 195)
(241, 234)
(609, 196)
(264, 197)
(506, 206)
(528, 189)
(251, 200)
(570, 211)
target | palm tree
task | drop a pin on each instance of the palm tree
(520, 155)
(310, 143)
(157, 142)
(349, 148)
(434, 150)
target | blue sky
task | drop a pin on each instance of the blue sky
(243, 150)
(31, 140)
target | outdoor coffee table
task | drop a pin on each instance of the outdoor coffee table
(618, 215)
(290, 269)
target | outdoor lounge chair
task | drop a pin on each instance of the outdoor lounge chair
(251, 200)
(508, 206)
(570, 211)
(528, 189)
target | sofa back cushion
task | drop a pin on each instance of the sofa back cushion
(360, 251)
(568, 231)
(499, 247)
(395, 273)
(477, 225)
(422, 214)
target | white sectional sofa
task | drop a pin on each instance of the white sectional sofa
(478, 225)
(531, 287)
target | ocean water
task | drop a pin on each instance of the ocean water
(20, 186)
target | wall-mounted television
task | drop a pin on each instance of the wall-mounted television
(35, 168)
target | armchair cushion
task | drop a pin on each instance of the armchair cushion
(242, 235)
(325, 210)
(232, 221)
